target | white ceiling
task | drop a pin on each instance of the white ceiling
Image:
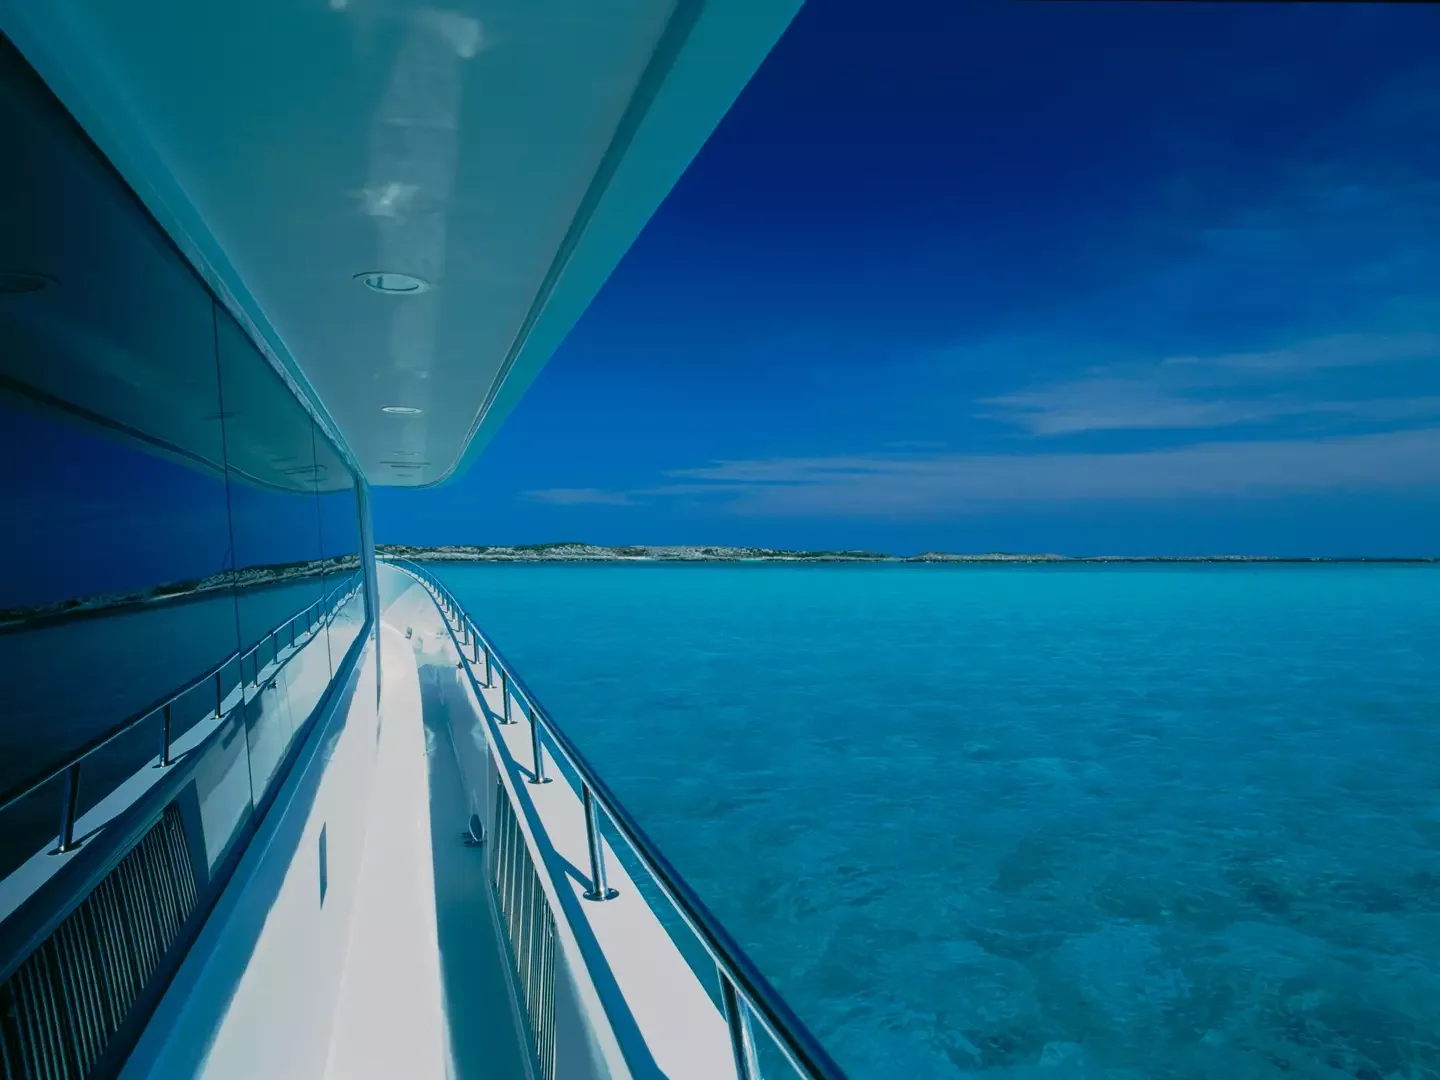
(507, 152)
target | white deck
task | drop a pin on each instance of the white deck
(397, 967)
(644, 1011)
(396, 971)
(423, 992)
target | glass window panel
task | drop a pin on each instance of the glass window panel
(275, 527)
(222, 789)
(340, 545)
(114, 533)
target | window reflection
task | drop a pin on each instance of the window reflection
(109, 603)
(167, 514)
(340, 544)
(275, 527)
(114, 533)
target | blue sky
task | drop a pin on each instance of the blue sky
(1065, 277)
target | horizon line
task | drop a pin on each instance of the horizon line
(859, 554)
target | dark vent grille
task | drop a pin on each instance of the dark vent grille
(530, 927)
(60, 1008)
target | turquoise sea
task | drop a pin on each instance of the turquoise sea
(1060, 822)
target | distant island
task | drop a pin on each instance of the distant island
(577, 552)
(31, 616)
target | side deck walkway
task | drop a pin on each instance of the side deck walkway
(356, 938)
(424, 993)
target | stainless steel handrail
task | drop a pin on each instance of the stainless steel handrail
(70, 768)
(744, 990)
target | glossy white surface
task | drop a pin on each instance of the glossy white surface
(391, 968)
(646, 1010)
(504, 151)
(423, 992)
(390, 1020)
(256, 994)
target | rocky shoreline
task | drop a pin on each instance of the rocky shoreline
(576, 552)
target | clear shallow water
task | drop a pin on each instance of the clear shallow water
(1032, 822)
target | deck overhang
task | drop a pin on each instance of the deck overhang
(505, 154)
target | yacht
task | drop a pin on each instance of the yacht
(271, 806)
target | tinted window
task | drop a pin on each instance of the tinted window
(114, 497)
(169, 517)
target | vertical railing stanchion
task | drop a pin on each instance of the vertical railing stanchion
(742, 1035)
(70, 801)
(220, 692)
(505, 696)
(599, 888)
(537, 752)
(489, 676)
(165, 738)
(476, 655)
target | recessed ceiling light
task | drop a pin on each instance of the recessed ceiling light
(393, 283)
(400, 410)
(22, 281)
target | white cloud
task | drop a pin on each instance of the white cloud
(875, 485)
(1335, 351)
(1192, 392)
